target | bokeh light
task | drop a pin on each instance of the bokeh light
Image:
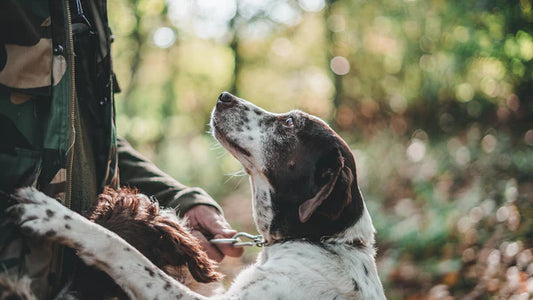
(340, 65)
(416, 150)
(312, 5)
(164, 37)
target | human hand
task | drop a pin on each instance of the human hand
(206, 220)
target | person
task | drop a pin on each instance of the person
(58, 133)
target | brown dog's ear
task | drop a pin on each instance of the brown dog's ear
(201, 267)
(188, 248)
(336, 192)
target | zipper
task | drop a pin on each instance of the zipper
(59, 250)
(68, 192)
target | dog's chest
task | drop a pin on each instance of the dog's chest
(304, 271)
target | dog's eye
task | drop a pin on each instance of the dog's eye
(288, 123)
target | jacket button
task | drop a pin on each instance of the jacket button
(58, 50)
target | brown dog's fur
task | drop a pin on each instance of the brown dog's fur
(157, 235)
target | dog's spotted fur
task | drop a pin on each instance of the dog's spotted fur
(15, 289)
(306, 201)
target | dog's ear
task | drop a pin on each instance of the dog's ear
(201, 267)
(335, 180)
(188, 249)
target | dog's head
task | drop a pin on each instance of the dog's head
(303, 174)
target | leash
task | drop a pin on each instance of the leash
(235, 241)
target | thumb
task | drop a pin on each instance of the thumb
(227, 233)
(228, 249)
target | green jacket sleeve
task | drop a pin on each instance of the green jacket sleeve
(138, 172)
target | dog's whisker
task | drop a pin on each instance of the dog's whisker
(238, 182)
(222, 154)
(216, 147)
(240, 173)
(227, 180)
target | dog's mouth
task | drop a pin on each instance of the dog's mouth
(227, 142)
(236, 146)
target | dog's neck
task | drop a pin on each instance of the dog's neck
(359, 235)
(362, 230)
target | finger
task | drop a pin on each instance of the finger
(208, 247)
(217, 224)
(208, 219)
(221, 229)
(228, 249)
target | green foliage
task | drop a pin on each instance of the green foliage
(436, 100)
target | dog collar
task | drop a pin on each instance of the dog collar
(355, 243)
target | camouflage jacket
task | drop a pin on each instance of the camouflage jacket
(57, 125)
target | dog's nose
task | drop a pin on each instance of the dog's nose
(226, 97)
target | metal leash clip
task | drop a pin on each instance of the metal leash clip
(257, 240)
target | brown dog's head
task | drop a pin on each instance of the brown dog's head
(303, 174)
(156, 233)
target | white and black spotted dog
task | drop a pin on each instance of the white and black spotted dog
(306, 203)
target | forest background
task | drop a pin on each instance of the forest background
(433, 96)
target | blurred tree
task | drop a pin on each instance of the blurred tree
(138, 40)
(434, 96)
(332, 22)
